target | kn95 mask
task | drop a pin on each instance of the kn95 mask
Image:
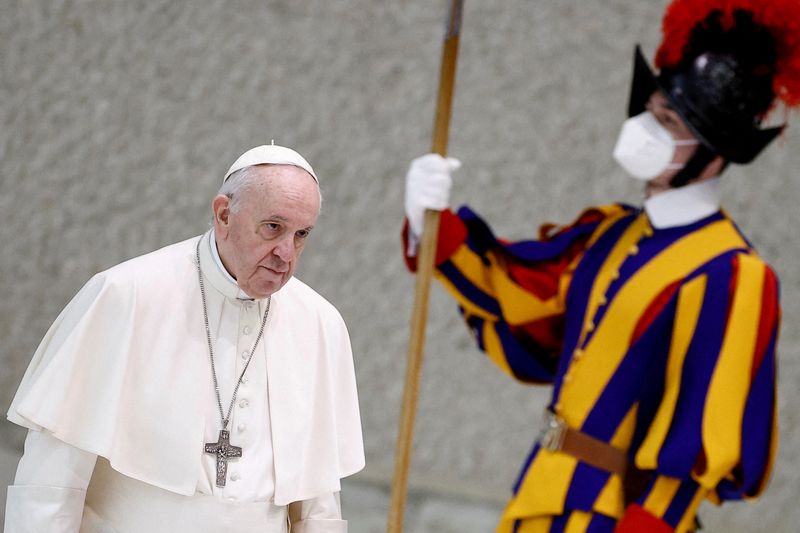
(645, 148)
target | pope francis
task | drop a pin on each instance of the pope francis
(200, 387)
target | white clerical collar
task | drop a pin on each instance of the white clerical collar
(684, 205)
(223, 280)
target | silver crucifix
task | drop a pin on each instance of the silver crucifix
(224, 451)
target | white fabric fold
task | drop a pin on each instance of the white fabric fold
(320, 515)
(50, 462)
(320, 526)
(35, 509)
(115, 503)
(129, 506)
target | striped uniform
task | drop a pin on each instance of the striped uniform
(660, 342)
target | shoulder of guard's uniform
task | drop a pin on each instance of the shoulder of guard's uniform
(744, 262)
(609, 211)
(595, 214)
(589, 216)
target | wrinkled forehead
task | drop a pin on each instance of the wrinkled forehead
(283, 173)
(283, 185)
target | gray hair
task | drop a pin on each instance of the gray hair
(239, 183)
(237, 186)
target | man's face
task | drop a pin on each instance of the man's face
(659, 106)
(260, 244)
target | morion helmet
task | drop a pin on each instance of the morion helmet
(723, 65)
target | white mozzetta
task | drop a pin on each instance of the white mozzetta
(124, 373)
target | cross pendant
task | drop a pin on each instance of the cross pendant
(224, 451)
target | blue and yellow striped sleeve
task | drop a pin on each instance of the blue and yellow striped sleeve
(511, 295)
(713, 435)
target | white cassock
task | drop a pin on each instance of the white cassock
(119, 397)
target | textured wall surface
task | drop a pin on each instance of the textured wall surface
(119, 119)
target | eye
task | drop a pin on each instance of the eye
(269, 230)
(303, 233)
(670, 121)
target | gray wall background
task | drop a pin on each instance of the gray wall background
(119, 119)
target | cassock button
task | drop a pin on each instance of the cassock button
(241, 428)
(245, 354)
(235, 476)
(244, 403)
(246, 330)
(245, 379)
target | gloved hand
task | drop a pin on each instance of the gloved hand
(428, 185)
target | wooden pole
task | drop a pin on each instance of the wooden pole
(425, 266)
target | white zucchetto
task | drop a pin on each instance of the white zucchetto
(270, 154)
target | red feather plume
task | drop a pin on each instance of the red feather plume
(780, 17)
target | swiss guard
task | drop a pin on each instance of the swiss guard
(656, 326)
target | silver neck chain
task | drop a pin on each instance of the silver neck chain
(225, 417)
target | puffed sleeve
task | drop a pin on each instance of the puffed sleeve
(511, 294)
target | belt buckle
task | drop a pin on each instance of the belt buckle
(552, 437)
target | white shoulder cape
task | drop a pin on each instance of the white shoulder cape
(123, 373)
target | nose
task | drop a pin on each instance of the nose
(285, 250)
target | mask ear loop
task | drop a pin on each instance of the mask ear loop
(693, 167)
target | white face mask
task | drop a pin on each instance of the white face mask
(645, 148)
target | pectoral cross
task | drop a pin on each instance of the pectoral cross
(224, 451)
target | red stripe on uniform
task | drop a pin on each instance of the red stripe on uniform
(452, 234)
(769, 318)
(543, 279)
(637, 520)
(653, 310)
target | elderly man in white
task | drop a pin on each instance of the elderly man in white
(200, 387)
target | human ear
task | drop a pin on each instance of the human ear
(220, 206)
(715, 167)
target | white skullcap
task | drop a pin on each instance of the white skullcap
(270, 154)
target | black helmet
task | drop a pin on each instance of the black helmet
(721, 71)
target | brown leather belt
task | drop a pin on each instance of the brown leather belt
(559, 437)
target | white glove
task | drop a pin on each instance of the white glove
(428, 185)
